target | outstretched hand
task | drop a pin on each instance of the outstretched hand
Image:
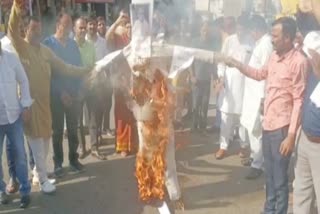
(122, 19)
(231, 62)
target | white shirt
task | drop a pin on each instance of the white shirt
(12, 74)
(100, 46)
(7, 45)
(230, 98)
(254, 91)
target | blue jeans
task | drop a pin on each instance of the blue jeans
(14, 133)
(276, 171)
(10, 160)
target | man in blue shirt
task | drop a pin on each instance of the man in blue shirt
(65, 100)
(307, 170)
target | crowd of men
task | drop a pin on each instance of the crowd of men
(265, 97)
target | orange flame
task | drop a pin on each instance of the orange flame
(150, 162)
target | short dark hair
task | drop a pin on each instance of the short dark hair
(91, 18)
(60, 16)
(306, 22)
(28, 19)
(33, 19)
(289, 26)
(101, 19)
(258, 23)
(79, 18)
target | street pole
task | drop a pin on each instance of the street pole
(30, 8)
(39, 9)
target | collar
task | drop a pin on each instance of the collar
(91, 40)
(286, 56)
(80, 45)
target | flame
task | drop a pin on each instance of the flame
(150, 162)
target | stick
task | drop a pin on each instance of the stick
(30, 8)
(39, 10)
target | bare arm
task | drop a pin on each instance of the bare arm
(110, 35)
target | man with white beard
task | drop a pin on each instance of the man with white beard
(251, 119)
(230, 99)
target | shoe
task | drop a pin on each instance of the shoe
(25, 201)
(52, 181)
(82, 154)
(47, 187)
(246, 161)
(12, 187)
(109, 133)
(59, 172)
(244, 153)
(4, 198)
(221, 154)
(97, 155)
(254, 173)
(76, 168)
(124, 154)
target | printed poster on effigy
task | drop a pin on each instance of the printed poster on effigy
(141, 22)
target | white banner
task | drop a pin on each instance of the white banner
(182, 59)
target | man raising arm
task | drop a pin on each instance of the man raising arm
(285, 76)
(38, 62)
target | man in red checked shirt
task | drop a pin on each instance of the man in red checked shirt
(285, 76)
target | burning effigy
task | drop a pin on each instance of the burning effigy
(146, 83)
(143, 72)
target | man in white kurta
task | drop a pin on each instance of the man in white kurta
(230, 99)
(251, 119)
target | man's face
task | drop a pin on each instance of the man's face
(205, 32)
(254, 34)
(102, 28)
(33, 32)
(278, 40)
(92, 27)
(80, 29)
(65, 25)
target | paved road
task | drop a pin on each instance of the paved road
(109, 187)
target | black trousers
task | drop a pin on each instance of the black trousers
(59, 113)
(201, 96)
